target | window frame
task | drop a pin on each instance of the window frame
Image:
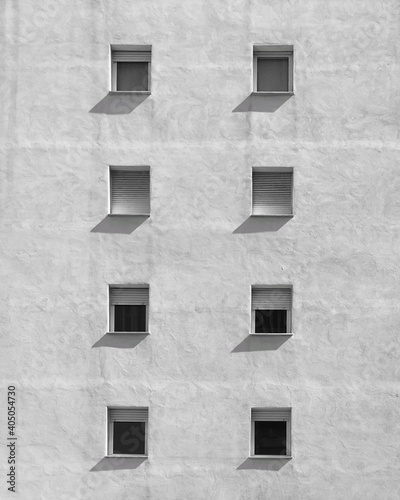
(113, 67)
(289, 313)
(110, 434)
(127, 168)
(111, 310)
(272, 170)
(274, 52)
(288, 421)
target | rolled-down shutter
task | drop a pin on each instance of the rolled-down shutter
(272, 193)
(273, 53)
(271, 298)
(270, 414)
(130, 192)
(129, 296)
(131, 56)
(128, 414)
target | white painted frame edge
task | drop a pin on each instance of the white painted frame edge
(113, 67)
(127, 168)
(288, 433)
(111, 325)
(274, 49)
(289, 318)
(109, 438)
(272, 170)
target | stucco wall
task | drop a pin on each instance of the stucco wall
(197, 371)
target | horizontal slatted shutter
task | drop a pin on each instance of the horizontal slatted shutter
(128, 414)
(131, 56)
(276, 53)
(270, 414)
(272, 193)
(130, 192)
(129, 296)
(271, 298)
(272, 49)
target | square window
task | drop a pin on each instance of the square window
(129, 190)
(271, 310)
(270, 432)
(131, 65)
(272, 191)
(129, 307)
(128, 431)
(273, 68)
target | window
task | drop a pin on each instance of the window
(129, 190)
(131, 66)
(128, 431)
(273, 68)
(272, 191)
(129, 309)
(271, 432)
(271, 310)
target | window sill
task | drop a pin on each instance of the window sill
(127, 456)
(263, 457)
(256, 92)
(272, 215)
(129, 92)
(128, 333)
(271, 334)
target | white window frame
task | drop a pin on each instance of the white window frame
(111, 311)
(289, 325)
(135, 168)
(288, 421)
(110, 434)
(273, 52)
(113, 68)
(272, 170)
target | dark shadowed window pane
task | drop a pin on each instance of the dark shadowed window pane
(132, 76)
(129, 438)
(272, 74)
(129, 318)
(270, 438)
(270, 321)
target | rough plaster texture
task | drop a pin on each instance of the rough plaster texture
(201, 133)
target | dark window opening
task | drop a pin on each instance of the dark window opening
(270, 438)
(270, 321)
(129, 438)
(129, 318)
(132, 76)
(273, 74)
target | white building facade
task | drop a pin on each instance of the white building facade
(241, 169)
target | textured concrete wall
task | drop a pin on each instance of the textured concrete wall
(197, 371)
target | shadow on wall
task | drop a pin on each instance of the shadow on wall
(114, 104)
(261, 224)
(122, 341)
(272, 464)
(261, 343)
(123, 224)
(261, 103)
(118, 463)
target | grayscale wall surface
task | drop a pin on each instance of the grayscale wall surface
(201, 132)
